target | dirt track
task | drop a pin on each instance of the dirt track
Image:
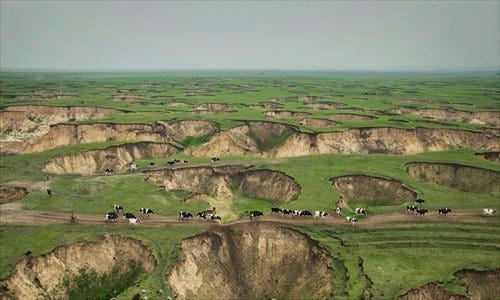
(45, 218)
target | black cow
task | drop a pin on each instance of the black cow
(185, 162)
(128, 215)
(422, 211)
(276, 210)
(118, 207)
(146, 211)
(215, 159)
(420, 201)
(305, 213)
(49, 192)
(171, 162)
(411, 208)
(255, 214)
(444, 211)
(111, 216)
(184, 215)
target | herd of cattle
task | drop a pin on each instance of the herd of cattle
(210, 215)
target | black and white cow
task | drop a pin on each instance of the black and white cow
(215, 159)
(361, 211)
(184, 215)
(411, 208)
(145, 211)
(110, 216)
(214, 218)
(255, 214)
(489, 211)
(444, 211)
(320, 214)
(134, 167)
(151, 164)
(352, 220)
(108, 171)
(338, 210)
(305, 213)
(288, 212)
(134, 221)
(201, 214)
(118, 208)
(276, 210)
(128, 215)
(422, 211)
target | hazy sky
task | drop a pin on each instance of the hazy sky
(365, 35)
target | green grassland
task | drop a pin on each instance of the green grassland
(379, 262)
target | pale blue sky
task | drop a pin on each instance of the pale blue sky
(365, 35)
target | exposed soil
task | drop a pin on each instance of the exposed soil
(430, 291)
(266, 105)
(12, 193)
(481, 284)
(314, 122)
(351, 117)
(493, 155)
(43, 276)
(116, 157)
(214, 107)
(456, 176)
(177, 103)
(324, 105)
(71, 134)
(126, 98)
(252, 261)
(46, 96)
(372, 188)
(21, 124)
(284, 114)
(250, 138)
(480, 117)
(216, 182)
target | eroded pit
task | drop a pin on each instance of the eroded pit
(213, 107)
(117, 158)
(218, 182)
(351, 117)
(252, 261)
(12, 193)
(460, 177)
(284, 114)
(372, 188)
(479, 117)
(315, 122)
(250, 138)
(431, 291)
(53, 275)
(492, 155)
(325, 105)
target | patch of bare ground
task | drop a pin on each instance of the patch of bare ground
(266, 105)
(12, 193)
(492, 155)
(477, 117)
(351, 117)
(252, 261)
(126, 98)
(316, 122)
(430, 291)
(461, 177)
(42, 277)
(325, 105)
(373, 188)
(480, 284)
(214, 107)
(117, 158)
(284, 114)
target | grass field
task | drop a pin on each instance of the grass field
(379, 262)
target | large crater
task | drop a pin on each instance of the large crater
(252, 261)
(372, 188)
(217, 182)
(44, 276)
(456, 176)
(114, 157)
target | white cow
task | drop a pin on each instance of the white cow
(134, 167)
(134, 222)
(489, 211)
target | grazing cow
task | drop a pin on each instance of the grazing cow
(444, 211)
(72, 217)
(145, 211)
(296, 212)
(422, 211)
(276, 210)
(184, 215)
(320, 214)
(134, 167)
(214, 218)
(361, 211)
(287, 212)
(151, 164)
(420, 201)
(134, 221)
(411, 208)
(215, 159)
(255, 214)
(49, 192)
(338, 210)
(185, 162)
(111, 216)
(305, 213)
(489, 211)
(202, 215)
(128, 215)
(171, 162)
(118, 208)
(108, 171)
(352, 220)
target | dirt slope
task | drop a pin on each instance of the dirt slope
(12, 193)
(480, 117)
(42, 276)
(252, 261)
(116, 157)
